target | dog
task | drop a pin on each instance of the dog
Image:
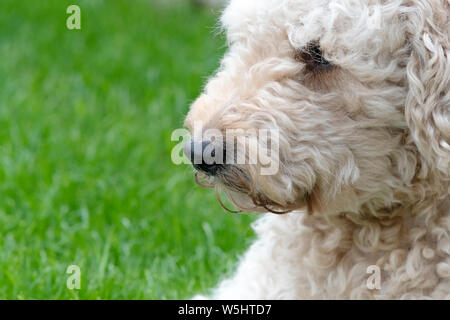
(358, 95)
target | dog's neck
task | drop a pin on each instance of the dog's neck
(427, 192)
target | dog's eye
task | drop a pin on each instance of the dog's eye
(311, 55)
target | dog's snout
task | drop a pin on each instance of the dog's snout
(194, 150)
(205, 156)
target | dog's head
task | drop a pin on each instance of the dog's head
(346, 102)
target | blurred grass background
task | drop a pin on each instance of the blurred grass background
(85, 170)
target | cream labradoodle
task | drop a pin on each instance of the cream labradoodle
(358, 91)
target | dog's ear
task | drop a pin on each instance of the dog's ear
(427, 108)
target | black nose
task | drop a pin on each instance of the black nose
(205, 156)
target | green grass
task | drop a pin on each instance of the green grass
(85, 170)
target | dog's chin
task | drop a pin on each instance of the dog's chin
(259, 203)
(243, 194)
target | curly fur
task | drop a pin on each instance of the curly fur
(364, 146)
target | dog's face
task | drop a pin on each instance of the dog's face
(341, 86)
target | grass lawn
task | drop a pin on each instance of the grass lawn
(85, 172)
